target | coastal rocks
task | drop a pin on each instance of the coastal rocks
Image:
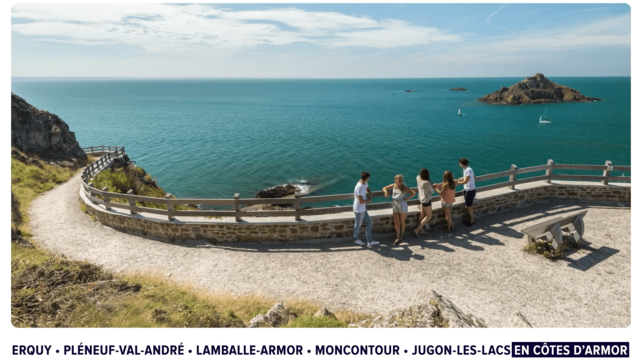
(324, 312)
(433, 311)
(278, 315)
(42, 133)
(517, 321)
(458, 89)
(536, 89)
(278, 191)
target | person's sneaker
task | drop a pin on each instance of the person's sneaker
(373, 243)
(359, 242)
(467, 223)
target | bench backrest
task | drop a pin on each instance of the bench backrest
(543, 227)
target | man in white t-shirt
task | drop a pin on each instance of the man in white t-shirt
(361, 197)
(469, 182)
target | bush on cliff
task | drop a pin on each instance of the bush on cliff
(120, 180)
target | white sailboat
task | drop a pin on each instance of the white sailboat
(459, 114)
(543, 119)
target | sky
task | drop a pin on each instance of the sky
(320, 40)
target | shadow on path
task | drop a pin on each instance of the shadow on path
(474, 238)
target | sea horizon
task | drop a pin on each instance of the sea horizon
(211, 138)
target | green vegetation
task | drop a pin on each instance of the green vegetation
(544, 248)
(29, 181)
(121, 180)
(309, 321)
(51, 291)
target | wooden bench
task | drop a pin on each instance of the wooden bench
(555, 226)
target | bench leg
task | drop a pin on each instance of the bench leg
(531, 239)
(556, 231)
(578, 224)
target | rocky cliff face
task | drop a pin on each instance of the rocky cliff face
(536, 89)
(41, 133)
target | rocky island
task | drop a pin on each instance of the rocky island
(536, 89)
(458, 89)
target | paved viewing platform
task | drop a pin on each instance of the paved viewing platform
(482, 269)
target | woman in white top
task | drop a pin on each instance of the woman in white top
(425, 189)
(400, 208)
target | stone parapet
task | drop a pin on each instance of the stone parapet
(341, 225)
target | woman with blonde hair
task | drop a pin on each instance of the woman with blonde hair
(400, 207)
(447, 191)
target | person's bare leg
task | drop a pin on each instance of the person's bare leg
(447, 214)
(416, 231)
(429, 215)
(470, 210)
(403, 217)
(396, 223)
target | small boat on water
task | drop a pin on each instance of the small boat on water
(543, 118)
(408, 91)
(459, 113)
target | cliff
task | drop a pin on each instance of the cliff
(41, 133)
(536, 89)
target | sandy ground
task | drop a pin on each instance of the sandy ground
(482, 269)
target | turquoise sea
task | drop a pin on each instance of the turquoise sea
(215, 137)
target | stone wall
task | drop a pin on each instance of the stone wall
(341, 225)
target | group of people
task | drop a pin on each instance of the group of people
(401, 193)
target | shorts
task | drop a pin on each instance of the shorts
(444, 204)
(469, 195)
(401, 207)
(427, 204)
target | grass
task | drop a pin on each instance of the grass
(50, 291)
(131, 177)
(29, 181)
(308, 321)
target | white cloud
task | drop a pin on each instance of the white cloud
(164, 28)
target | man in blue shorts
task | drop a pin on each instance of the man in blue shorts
(469, 182)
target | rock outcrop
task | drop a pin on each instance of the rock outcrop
(278, 191)
(278, 315)
(432, 311)
(536, 89)
(324, 312)
(41, 133)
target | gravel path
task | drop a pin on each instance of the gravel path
(483, 270)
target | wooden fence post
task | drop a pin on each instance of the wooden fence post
(169, 206)
(607, 172)
(131, 201)
(296, 205)
(512, 178)
(549, 171)
(106, 198)
(236, 206)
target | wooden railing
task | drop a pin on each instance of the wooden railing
(236, 202)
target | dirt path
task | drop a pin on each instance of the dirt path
(483, 270)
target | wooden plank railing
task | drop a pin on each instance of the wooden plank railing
(236, 203)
